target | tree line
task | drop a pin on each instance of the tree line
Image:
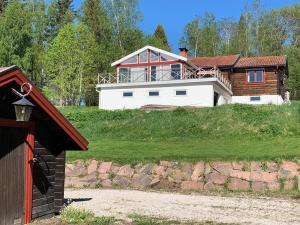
(62, 49)
(257, 32)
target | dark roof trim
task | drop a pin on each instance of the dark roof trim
(13, 73)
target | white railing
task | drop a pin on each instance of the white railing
(162, 75)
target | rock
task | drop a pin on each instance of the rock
(104, 167)
(263, 176)
(126, 171)
(238, 165)
(236, 184)
(207, 169)
(272, 166)
(191, 185)
(255, 166)
(154, 182)
(114, 169)
(141, 181)
(69, 169)
(198, 171)
(106, 183)
(288, 185)
(259, 186)
(158, 170)
(167, 185)
(222, 167)
(209, 186)
(164, 163)
(81, 181)
(103, 176)
(78, 169)
(147, 169)
(187, 168)
(121, 181)
(216, 178)
(273, 186)
(92, 167)
(288, 169)
(244, 175)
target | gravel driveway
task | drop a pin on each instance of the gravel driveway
(195, 207)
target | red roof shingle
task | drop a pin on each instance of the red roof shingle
(210, 61)
(261, 61)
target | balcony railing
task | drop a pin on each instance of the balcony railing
(162, 75)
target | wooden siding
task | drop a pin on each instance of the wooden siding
(12, 156)
(241, 87)
(48, 188)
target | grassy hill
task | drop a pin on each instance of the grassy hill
(227, 132)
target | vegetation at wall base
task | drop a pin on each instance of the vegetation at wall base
(229, 132)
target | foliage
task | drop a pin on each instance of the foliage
(257, 32)
(70, 63)
(81, 216)
(225, 132)
(160, 39)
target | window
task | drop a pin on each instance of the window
(133, 59)
(180, 92)
(144, 57)
(127, 94)
(153, 93)
(255, 76)
(254, 98)
(153, 73)
(176, 71)
(154, 56)
(124, 75)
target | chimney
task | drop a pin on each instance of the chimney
(183, 52)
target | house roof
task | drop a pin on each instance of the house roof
(13, 74)
(151, 48)
(261, 61)
(210, 61)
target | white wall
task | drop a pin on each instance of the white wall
(197, 95)
(264, 99)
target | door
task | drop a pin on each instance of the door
(153, 73)
(12, 178)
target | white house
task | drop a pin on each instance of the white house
(152, 76)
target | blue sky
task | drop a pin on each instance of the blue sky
(175, 14)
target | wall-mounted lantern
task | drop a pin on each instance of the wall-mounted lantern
(23, 107)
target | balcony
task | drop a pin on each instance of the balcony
(162, 75)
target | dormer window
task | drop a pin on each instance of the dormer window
(255, 76)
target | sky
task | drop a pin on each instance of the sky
(175, 14)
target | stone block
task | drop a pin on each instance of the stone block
(273, 186)
(198, 171)
(236, 184)
(191, 185)
(216, 178)
(289, 185)
(222, 167)
(264, 176)
(158, 170)
(209, 186)
(256, 166)
(126, 171)
(238, 165)
(244, 175)
(92, 167)
(258, 186)
(105, 167)
(288, 169)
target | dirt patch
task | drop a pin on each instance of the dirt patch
(195, 207)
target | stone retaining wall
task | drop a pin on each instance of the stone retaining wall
(167, 175)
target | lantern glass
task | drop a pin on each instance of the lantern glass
(23, 112)
(23, 109)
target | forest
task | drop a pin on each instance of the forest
(63, 49)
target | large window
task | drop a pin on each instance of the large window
(255, 76)
(176, 71)
(124, 75)
(154, 56)
(153, 73)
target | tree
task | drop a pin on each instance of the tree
(160, 38)
(16, 36)
(95, 17)
(3, 4)
(70, 65)
(60, 13)
(240, 39)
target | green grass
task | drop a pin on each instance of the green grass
(222, 133)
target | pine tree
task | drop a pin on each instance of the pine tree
(95, 17)
(161, 37)
(240, 40)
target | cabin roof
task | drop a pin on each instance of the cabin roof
(211, 61)
(12, 75)
(261, 61)
(150, 48)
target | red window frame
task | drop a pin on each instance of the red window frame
(255, 76)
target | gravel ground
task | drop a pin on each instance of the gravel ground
(194, 207)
